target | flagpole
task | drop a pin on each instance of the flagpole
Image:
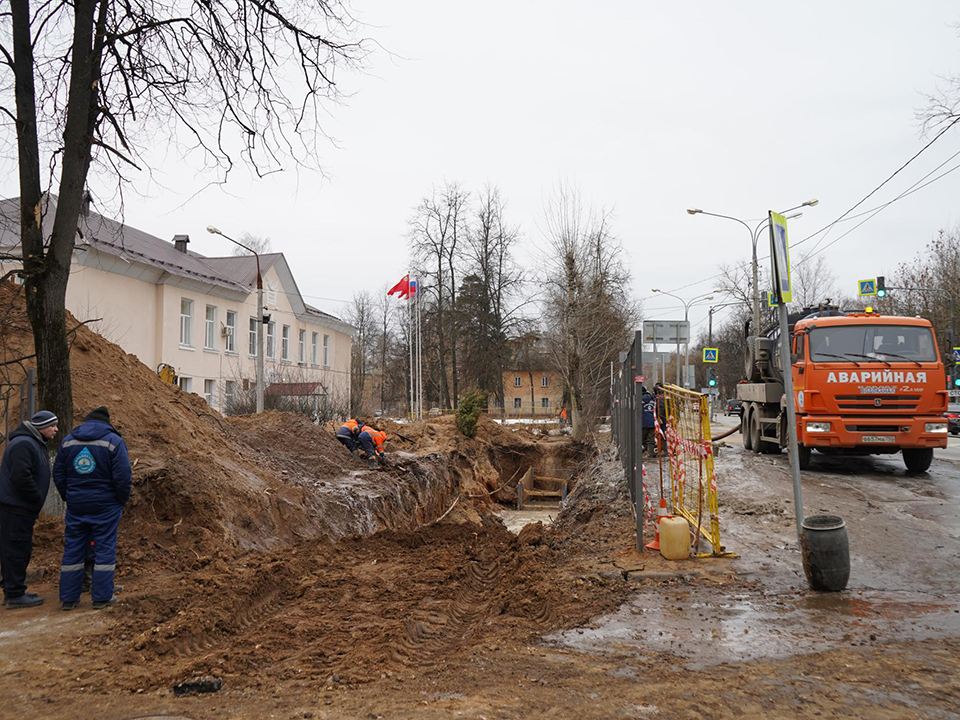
(410, 344)
(419, 356)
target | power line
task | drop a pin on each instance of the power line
(914, 188)
(892, 175)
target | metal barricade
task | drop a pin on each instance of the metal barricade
(693, 480)
(626, 425)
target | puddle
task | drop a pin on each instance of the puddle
(515, 520)
(704, 629)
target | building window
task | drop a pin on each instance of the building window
(302, 347)
(544, 402)
(544, 382)
(517, 403)
(210, 392)
(230, 339)
(186, 384)
(271, 339)
(210, 328)
(186, 322)
(285, 342)
(516, 381)
(230, 393)
(497, 402)
(326, 351)
(313, 348)
(254, 327)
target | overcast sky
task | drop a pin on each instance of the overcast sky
(650, 108)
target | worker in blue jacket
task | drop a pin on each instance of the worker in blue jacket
(92, 474)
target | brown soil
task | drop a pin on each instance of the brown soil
(257, 551)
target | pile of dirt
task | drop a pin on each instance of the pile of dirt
(358, 609)
(204, 485)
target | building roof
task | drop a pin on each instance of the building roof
(298, 389)
(232, 273)
(242, 269)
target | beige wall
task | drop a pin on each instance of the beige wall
(144, 319)
(553, 393)
(127, 307)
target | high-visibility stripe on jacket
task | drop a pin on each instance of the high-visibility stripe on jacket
(379, 437)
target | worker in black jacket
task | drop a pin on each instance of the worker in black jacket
(24, 482)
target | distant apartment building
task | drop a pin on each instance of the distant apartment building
(532, 387)
(166, 304)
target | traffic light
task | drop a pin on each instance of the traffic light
(956, 376)
(711, 377)
(881, 286)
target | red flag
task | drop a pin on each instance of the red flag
(402, 288)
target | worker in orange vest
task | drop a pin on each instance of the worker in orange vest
(348, 433)
(371, 442)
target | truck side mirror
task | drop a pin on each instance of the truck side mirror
(794, 358)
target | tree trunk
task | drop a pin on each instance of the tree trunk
(47, 272)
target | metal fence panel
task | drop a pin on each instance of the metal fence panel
(626, 420)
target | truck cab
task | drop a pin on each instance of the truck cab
(863, 384)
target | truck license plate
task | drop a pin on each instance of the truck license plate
(878, 438)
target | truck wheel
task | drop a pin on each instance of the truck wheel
(917, 459)
(755, 442)
(803, 455)
(745, 427)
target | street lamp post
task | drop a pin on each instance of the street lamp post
(710, 312)
(686, 321)
(754, 237)
(260, 330)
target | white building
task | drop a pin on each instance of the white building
(165, 304)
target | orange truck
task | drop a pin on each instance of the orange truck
(864, 384)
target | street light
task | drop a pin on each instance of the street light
(754, 236)
(215, 231)
(686, 319)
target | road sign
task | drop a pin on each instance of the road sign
(710, 391)
(666, 332)
(867, 287)
(956, 354)
(772, 299)
(781, 255)
(711, 355)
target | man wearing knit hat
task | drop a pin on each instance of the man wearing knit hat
(24, 482)
(92, 474)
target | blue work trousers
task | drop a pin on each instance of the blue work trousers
(367, 445)
(348, 439)
(79, 530)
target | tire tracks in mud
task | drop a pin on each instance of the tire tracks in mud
(356, 610)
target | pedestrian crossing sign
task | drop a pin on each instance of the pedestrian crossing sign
(956, 354)
(868, 287)
(772, 299)
(711, 355)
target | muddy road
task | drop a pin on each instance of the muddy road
(470, 620)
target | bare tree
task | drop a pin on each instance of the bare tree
(588, 309)
(813, 281)
(924, 286)
(93, 79)
(436, 230)
(361, 316)
(260, 245)
(489, 299)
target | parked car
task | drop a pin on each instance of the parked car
(733, 407)
(953, 418)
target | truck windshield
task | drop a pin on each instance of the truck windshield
(872, 343)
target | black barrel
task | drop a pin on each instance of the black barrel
(826, 552)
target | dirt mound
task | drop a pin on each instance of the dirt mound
(205, 485)
(357, 609)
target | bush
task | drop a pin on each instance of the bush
(468, 412)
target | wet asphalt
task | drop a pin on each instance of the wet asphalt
(904, 535)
